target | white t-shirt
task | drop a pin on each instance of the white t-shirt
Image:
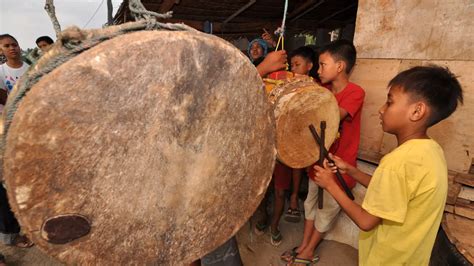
(9, 75)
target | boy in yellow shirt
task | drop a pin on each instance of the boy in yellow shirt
(405, 198)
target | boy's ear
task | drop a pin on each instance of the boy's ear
(419, 111)
(341, 66)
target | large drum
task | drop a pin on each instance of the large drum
(299, 102)
(151, 148)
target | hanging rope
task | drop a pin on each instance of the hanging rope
(281, 30)
(74, 41)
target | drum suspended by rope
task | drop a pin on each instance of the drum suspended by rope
(299, 102)
(153, 147)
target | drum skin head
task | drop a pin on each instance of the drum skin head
(154, 147)
(299, 103)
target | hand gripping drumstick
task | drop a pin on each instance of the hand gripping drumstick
(326, 155)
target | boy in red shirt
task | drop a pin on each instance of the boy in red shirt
(335, 64)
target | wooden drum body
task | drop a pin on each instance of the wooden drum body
(151, 148)
(298, 103)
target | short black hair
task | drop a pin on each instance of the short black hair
(308, 54)
(342, 50)
(437, 85)
(46, 39)
(4, 36)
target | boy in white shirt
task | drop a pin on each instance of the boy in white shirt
(13, 69)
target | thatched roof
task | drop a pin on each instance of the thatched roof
(303, 15)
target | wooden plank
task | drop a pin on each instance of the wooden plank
(451, 176)
(459, 231)
(453, 188)
(466, 193)
(464, 208)
(227, 28)
(455, 134)
(453, 191)
(465, 179)
(414, 29)
(449, 208)
(373, 76)
(166, 6)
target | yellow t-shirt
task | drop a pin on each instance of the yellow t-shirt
(408, 191)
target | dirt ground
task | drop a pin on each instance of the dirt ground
(26, 257)
(257, 250)
(254, 250)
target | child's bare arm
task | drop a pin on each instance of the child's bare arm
(364, 220)
(273, 61)
(344, 167)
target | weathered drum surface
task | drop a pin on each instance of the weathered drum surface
(299, 103)
(150, 148)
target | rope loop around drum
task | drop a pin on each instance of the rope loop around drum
(73, 41)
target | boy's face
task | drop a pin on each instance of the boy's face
(10, 48)
(329, 69)
(44, 46)
(300, 65)
(395, 113)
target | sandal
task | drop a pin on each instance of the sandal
(289, 255)
(21, 241)
(293, 215)
(260, 228)
(301, 261)
(275, 238)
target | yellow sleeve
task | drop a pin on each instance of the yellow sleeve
(387, 194)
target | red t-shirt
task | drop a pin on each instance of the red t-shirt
(351, 99)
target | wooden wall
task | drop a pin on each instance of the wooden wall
(455, 134)
(392, 36)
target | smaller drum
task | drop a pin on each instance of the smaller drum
(299, 102)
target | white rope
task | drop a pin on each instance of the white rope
(281, 30)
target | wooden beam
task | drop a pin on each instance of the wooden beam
(166, 6)
(337, 13)
(308, 8)
(301, 8)
(219, 27)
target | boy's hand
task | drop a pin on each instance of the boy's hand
(273, 61)
(339, 163)
(324, 177)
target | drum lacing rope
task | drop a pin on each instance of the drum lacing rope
(74, 41)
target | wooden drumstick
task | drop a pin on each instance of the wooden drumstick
(338, 174)
(322, 127)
